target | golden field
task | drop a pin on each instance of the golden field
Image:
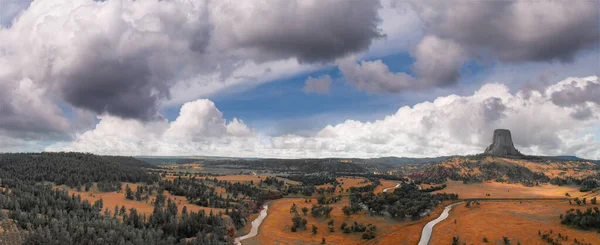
(517, 220)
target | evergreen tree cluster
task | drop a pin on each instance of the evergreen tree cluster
(51, 216)
(406, 200)
(588, 219)
(75, 169)
(55, 217)
(318, 179)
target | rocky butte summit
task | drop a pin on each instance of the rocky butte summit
(502, 145)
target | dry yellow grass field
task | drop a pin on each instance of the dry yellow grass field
(504, 190)
(254, 178)
(576, 169)
(185, 166)
(384, 184)
(346, 183)
(517, 220)
(275, 229)
(182, 202)
(110, 199)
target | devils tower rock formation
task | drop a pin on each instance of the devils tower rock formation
(502, 145)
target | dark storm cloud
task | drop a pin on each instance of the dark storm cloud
(515, 30)
(133, 86)
(489, 31)
(126, 59)
(122, 62)
(456, 32)
(26, 114)
(125, 88)
(310, 31)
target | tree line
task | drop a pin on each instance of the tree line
(52, 216)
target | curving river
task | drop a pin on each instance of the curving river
(428, 228)
(389, 188)
(255, 225)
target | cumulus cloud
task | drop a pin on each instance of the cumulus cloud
(438, 61)
(437, 64)
(375, 76)
(455, 32)
(197, 120)
(319, 85)
(448, 125)
(459, 125)
(115, 57)
(310, 30)
(577, 92)
(514, 30)
(123, 61)
(581, 95)
(199, 128)
(26, 112)
(129, 58)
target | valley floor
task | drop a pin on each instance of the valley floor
(519, 221)
(504, 190)
(275, 229)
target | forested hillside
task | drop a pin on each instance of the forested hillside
(291, 165)
(46, 215)
(529, 171)
(74, 169)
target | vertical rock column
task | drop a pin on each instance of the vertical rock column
(502, 144)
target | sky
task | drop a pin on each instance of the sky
(299, 78)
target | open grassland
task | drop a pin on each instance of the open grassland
(10, 233)
(346, 183)
(519, 221)
(504, 190)
(575, 169)
(185, 166)
(246, 178)
(112, 199)
(275, 229)
(182, 202)
(551, 168)
(196, 168)
(385, 184)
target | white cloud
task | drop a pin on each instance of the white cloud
(237, 128)
(124, 60)
(197, 120)
(26, 111)
(452, 33)
(461, 125)
(200, 127)
(375, 76)
(449, 125)
(130, 58)
(438, 62)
